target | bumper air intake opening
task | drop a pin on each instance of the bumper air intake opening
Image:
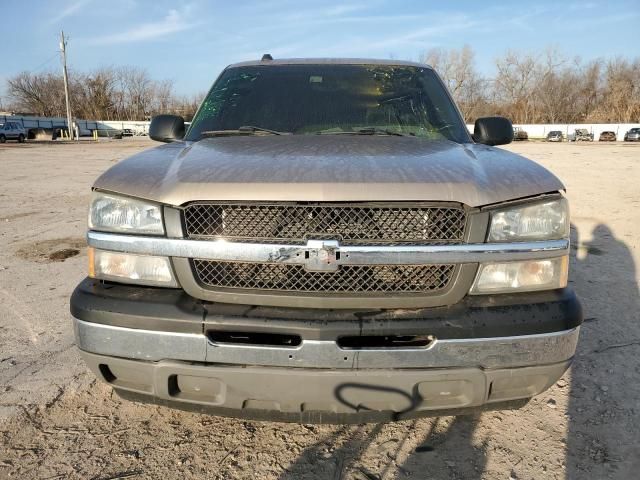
(385, 341)
(126, 378)
(107, 373)
(172, 385)
(254, 338)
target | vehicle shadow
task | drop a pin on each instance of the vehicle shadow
(603, 404)
(603, 438)
(448, 440)
(381, 451)
(334, 455)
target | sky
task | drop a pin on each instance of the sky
(191, 41)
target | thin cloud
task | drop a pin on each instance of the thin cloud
(582, 5)
(595, 21)
(356, 45)
(70, 10)
(425, 33)
(418, 36)
(175, 21)
(342, 9)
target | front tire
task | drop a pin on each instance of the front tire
(3, 139)
(21, 138)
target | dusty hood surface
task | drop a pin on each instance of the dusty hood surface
(327, 168)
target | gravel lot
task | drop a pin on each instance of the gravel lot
(56, 421)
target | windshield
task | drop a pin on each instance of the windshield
(331, 99)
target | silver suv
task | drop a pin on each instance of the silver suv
(632, 135)
(12, 131)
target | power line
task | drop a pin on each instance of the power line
(45, 63)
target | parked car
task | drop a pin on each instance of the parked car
(607, 136)
(110, 133)
(328, 243)
(127, 132)
(632, 135)
(554, 136)
(12, 131)
(581, 135)
(520, 134)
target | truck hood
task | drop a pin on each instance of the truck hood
(328, 168)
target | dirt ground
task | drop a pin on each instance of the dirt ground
(56, 421)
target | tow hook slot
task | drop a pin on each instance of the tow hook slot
(385, 341)
(254, 338)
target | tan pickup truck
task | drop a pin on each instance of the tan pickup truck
(327, 243)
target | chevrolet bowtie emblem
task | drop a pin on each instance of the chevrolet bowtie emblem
(322, 256)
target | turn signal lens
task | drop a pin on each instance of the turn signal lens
(128, 268)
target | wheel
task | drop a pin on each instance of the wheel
(3, 139)
(21, 138)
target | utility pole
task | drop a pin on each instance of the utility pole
(63, 49)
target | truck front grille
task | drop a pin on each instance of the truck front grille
(351, 224)
(359, 279)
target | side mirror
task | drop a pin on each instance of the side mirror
(166, 128)
(493, 131)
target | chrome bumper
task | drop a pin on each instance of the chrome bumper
(486, 353)
(316, 250)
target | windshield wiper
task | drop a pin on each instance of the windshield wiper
(252, 128)
(379, 131)
(364, 131)
(243, 130)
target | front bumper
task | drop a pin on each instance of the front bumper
(321, 395)
(155, 345)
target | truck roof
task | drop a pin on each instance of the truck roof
(329, 61)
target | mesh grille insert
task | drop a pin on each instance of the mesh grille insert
(360, 279)
(350, 224)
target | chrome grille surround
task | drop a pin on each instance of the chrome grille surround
(351, 224)
(464, 256)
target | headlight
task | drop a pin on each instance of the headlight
(111, 213)
(539, 221)
(526, 276)
(129, 268)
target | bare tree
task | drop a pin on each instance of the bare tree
(188, 105)
(621, 98)
(589, 88)
(37, 93)
(457, 70)
(514, 83)
(94, 93)
(454, 66)
(555, 93)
